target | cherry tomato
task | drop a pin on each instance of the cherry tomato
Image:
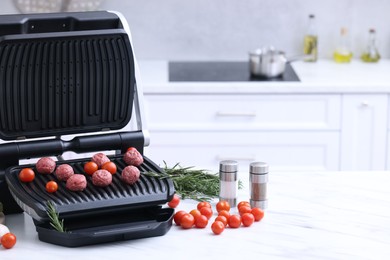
(51, 186)
(243, 203)
(187, 221)
(247, 219)
(8, 240)
(223, 205)
(201, 221)
(234, 221)
(26, 175)
(90, 168)
(109, 166)
(224, 213)
(195, 213)
(223, 219)
(174, 201)
(178, 216)
(258, 213)
(203, 204)
(131, 148)
(208, 212)
(244, 209)
(217, 227)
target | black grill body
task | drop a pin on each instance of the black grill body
(67, 74)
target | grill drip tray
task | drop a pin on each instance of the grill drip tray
(97, 215)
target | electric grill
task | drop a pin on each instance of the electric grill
(75, 74)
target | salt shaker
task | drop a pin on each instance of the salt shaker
(258, 178)
(228, 182)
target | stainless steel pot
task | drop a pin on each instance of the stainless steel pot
(269, 63)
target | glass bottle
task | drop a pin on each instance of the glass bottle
(371, 53)
(343, 53)
(311, 40)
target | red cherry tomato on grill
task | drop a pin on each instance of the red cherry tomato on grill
(109, 166)
(131, 148)
(174, 202)
(90, 168)
(51, 186)
(26, 175)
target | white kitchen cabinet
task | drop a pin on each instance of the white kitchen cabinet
(364, 132)
(290, 132)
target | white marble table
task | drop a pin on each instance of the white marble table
(316, 215)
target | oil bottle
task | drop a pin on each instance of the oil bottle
(371, 53)
(343, 53)
(310, 43)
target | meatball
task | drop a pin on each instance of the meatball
(76, 182)
(45, 165)
(130, 174)
(63, 172)
(133, 157)
(100, 159)
(101, 178)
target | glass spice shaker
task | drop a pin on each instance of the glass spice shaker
(258, 178)
(228, 182)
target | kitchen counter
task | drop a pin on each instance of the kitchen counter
(323, 76)
(312, 215)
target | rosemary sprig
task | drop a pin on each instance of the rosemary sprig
(55, 221)
(191, 183)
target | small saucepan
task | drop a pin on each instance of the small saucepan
(269, 63)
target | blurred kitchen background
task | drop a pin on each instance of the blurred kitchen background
(228, 29)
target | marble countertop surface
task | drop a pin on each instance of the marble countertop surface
(323, 76)
(311, 215)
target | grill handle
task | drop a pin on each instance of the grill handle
(55, 147)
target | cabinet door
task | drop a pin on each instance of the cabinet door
(223, 112)
(364, 132)
(291, 151)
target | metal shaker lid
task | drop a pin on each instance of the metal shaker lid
(258, 168)
(228, 166)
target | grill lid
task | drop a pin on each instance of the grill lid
(64, 74)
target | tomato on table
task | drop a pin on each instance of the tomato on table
(187, 221)
(177, 216)
(258, 213)
(243, 203)
(201, 221)
(223, 219)
(195, 213)
(217, 227)
(90, 168)
(247, 219)
(224, 213)
(110, 166)
(206, 211)
(244, 209)
(26, 175)
(234, 221)
(51, 186)
(203, 204)
(8, 240)
(223, 205)
(174, 201)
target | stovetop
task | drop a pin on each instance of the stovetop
(220, 71)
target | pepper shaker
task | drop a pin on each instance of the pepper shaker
(228, 182)
(258, 178)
